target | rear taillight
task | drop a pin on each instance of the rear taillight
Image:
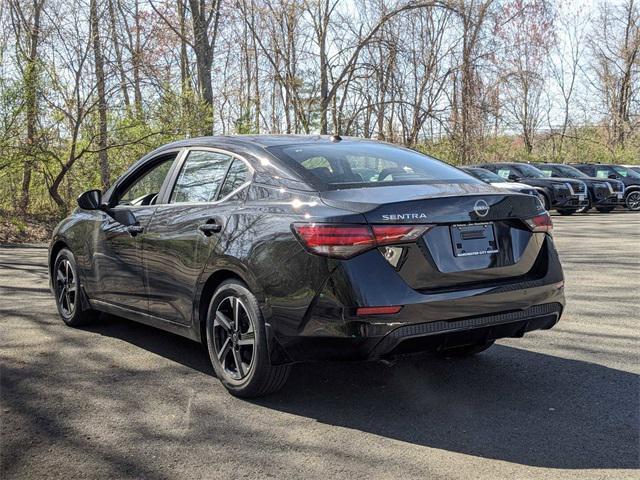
(345, 241)
(540, 223)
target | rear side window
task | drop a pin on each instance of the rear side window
(358, 165)
(237, 176)
(200, 177)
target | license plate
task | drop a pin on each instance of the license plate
(473, 239)
(620, 195)
(581, 198)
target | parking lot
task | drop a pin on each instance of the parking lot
(123, 400)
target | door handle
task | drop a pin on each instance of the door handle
(210, 228)
(135, 230)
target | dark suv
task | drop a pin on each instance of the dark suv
(605, 194)
(565, 195)
(630, 178)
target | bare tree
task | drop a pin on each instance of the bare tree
(27, 25)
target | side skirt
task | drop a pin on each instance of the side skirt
(145, 318)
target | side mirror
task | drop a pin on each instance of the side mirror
(513, 177)
(613, 176)
(90, 200)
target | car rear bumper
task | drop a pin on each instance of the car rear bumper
(419, 327)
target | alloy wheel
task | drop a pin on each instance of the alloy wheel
(633, 201)
(234, 338)
(66, 288)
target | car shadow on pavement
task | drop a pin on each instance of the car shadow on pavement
(507, 404)
(174, 347)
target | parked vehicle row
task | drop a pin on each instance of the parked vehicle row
(571, 188)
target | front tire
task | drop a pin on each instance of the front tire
(586, 208)
(237, 343)
(66, 287)
(633, 201)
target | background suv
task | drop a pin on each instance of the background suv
(629, 177)
(566, 195)
(605, 194)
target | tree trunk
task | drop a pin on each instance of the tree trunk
(31, 90)
(103, 159)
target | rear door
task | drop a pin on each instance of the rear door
(208, 190)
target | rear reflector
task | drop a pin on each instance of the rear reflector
(378, 310)
(345, 240)
(540, 223)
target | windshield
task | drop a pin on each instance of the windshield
(531, 172)
(360, 164)
(485, 175)
(626, 172)
(569, 172)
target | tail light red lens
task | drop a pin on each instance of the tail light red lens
(378, 310)
(388, 234)
(345, 241)
(540, 223)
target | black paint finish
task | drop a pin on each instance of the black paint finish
(164, 271)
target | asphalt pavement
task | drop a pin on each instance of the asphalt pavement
(122, 400)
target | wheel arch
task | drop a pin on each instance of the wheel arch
(547, 195)
(54, 250)
(228, 268)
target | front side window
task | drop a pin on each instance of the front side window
(604, 172)
(359, 165)
(200, 177)
(626, 172)
(504, 172)
(548, 171)
(144, 190)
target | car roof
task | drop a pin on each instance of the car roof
(261, 140)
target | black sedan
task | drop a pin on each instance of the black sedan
(565, 195)
(278, 249)
(605, 194)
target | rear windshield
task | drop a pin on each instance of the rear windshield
(358, 165)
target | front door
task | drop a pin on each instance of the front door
(118, 253)
(185, 233)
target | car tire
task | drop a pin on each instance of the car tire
(237, 343)
(465, 351)
(632, 201)
(566, 211)
(68, 293)
(605, 209)
(586, 208)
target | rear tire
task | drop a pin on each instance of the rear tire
(237, 343)
(465, 351)
(68, 292)
(566, 211)
(605, 209)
